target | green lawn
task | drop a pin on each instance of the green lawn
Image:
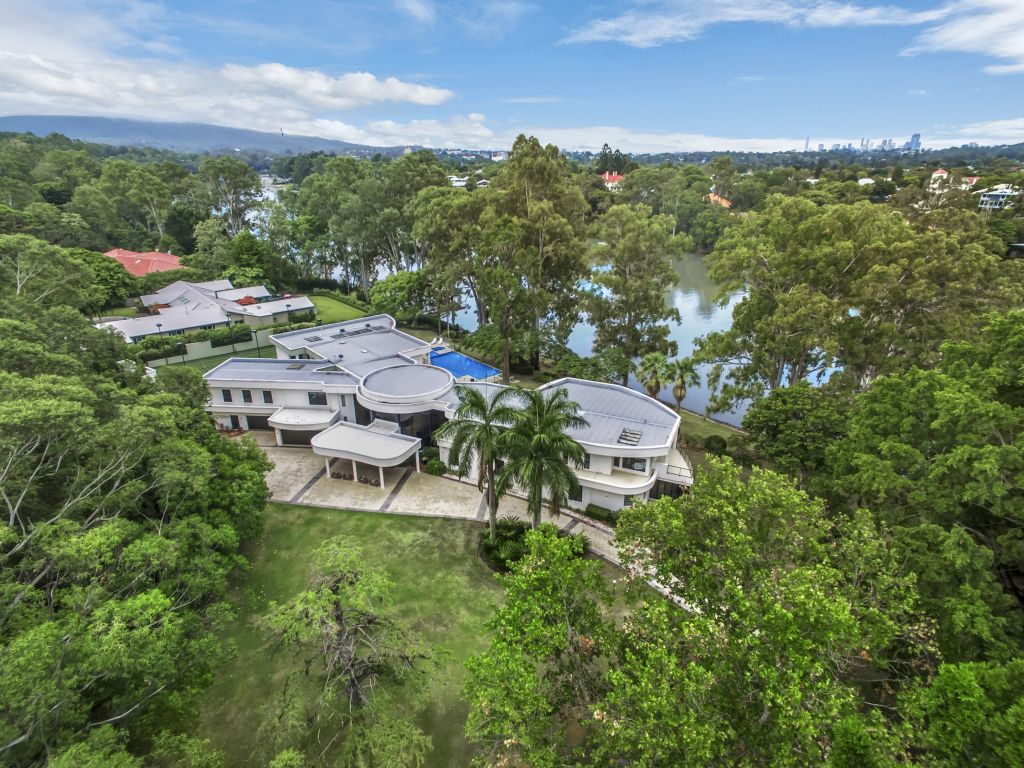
(121, 312)
(208, 363)
(330, 310)
(442, 588)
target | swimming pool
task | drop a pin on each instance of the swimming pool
(462, 366)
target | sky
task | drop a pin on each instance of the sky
(641, 75)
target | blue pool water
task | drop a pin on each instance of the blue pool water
(459, 365)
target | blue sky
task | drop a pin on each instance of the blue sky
(644, 75)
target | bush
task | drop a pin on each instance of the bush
(716, 444)
(436, 467)
(605, 515)
(430, 453)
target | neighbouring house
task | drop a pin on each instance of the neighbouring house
(140, 264)
(717, 199)
(998, 197)
(942, 179)
(612, 181)
(939, 177)
(183, 307)
(458, 181)
(363, 394)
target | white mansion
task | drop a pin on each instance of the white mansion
(362, 392)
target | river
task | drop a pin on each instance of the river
(693, 296)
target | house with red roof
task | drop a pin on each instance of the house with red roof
(612, 180)
(140, 264)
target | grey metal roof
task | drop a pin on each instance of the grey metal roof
(407, 380)
(613, 410)
(610, 410)
(269, 370)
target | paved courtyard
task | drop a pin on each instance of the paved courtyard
(299, 476)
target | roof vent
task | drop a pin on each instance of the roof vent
(313, 338)
(295, 367)
(630, 437)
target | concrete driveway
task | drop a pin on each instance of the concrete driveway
(299, 477)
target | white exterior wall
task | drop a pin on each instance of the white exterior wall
(343, 403)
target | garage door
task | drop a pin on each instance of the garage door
(257, 422)
(295, 437)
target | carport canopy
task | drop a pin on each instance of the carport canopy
(379, 443)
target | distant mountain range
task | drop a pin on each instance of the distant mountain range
(180, 137)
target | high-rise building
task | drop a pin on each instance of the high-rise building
(915, 142)
(807, 143)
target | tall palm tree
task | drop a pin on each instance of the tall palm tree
(538, 449)
(682, 372)
(651, 371)
(483, 415)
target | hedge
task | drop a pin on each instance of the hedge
(605, 515)
(159, 347)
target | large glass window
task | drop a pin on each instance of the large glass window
(626, 462)
(577, 493)
(317, 398)
(268, 396)
(226, 395)
(246, 395)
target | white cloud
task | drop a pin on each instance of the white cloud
(995, 131)
(354, 89)
(75, 65)
(421, 10)
(992, 28)
(655, 23)
(918, 92)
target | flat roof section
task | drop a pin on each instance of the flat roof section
(408, 382)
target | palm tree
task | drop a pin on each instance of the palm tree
(483, 415)
(682, 372)
(538, 449)
(651, 371)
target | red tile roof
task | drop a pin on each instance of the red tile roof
(611, 178)
(140, 264)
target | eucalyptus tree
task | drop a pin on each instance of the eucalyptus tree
(230, 189)
(476, 436)
(539, 451)
(632, 269)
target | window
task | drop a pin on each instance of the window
(226, 395)
(343, 405)
(636, 465)
(317, 398)
(576, 494)
(268, 396)
(246, 395)
(585, 464)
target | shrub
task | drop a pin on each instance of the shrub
(436, 467)
(716, 444)
(605, 515)
(427, 454)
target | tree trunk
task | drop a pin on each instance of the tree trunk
(492, 502)
(506, 361)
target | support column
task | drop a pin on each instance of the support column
(381, 476)
(355, 471)
(417, 461)
(327, 465)
(277, 437)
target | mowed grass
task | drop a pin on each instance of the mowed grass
(330, 310)
(209, 363)
(442, 589)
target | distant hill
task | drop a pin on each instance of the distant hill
(180, 137)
